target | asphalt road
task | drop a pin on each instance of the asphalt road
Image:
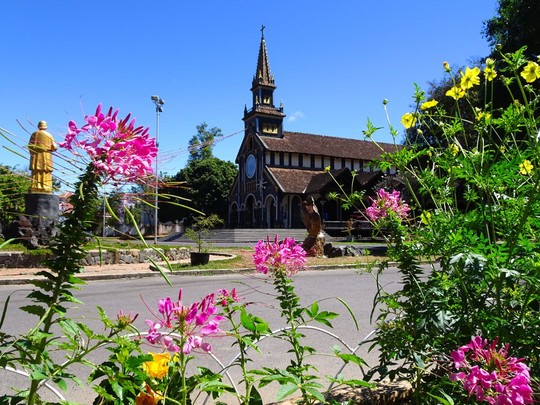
(141, 296)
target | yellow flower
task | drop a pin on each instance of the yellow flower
(490, 74)
(470, 78)
(454, 149)
(425, 218)
(408, 120)
(456, 92)
(483, 116)
(327, 169)
(531, 72)
(526, 167)
(502, 149)
(429, 104)
(159, 366)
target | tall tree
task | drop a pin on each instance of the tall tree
(209, 182)
(204, 184)
(515, 25)
(13, 186)
(201, 145)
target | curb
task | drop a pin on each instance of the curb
(26, 279)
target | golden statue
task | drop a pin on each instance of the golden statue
(41, 146)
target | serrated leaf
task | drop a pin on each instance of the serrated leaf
(39, 296)
(352, 358)
(285, 391)
(315, 393)
(246, 321)
(34, 309)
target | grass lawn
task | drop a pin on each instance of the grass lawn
(244, 259)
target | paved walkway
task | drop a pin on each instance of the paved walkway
(134, 270)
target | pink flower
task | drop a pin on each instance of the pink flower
(287, 256)
(385, 204)
(118, 150)
(225, 297)
(193, 323)
(490, 375)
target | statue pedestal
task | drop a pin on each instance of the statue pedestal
(42, 210)
(44, 206)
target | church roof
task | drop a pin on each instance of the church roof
(311, 144)
(292, 180)
(302, 181)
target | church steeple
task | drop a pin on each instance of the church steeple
(264, 118)
(263, 76)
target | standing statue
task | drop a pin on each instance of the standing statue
(314, 243)
(41, 146)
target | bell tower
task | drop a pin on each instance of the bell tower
(263, 118)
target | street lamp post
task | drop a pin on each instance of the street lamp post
(159, 109)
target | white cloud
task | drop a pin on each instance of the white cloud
(298, 115)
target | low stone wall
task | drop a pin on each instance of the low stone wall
(96, 257)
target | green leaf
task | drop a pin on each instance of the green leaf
(314, 310)
(38, 375)
(286, 390)
(352, 358)
(118, 389)
(34, 309)
(447, 400)
(4, 311)
(316, 394)
(255, 397)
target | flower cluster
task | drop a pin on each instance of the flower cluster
(490, 374)
(192, 323)
(386, 203)
(286, 256)
(224, 297)
(118, 150)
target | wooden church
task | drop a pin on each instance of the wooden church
(279, 169)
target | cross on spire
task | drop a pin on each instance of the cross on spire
(262, 31)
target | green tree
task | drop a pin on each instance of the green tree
(209, 182)
(14, 185)
(515, 25)
(201, 145)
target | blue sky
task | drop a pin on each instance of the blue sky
(333, 62)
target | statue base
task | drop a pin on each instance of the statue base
(40, 220)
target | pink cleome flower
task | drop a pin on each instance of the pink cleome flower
(287, 256)
(490, 375)
(193, 323)
(118, 150)
(386, 203)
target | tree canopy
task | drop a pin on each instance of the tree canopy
(209, 181)
(13, 186)
(515, 25)
(204, 184)
(201, 145)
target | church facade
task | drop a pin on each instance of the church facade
(280, 169)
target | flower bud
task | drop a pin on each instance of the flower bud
(446, 66)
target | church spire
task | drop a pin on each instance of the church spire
(264, 118)
(263, 75)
